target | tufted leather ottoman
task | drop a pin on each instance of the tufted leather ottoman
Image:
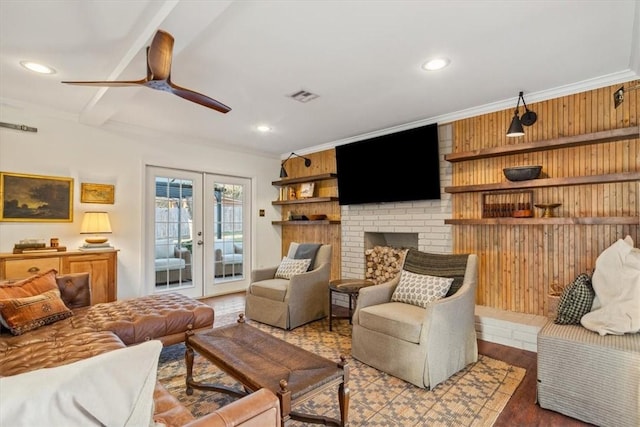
(164, 317)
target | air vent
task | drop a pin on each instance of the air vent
(303, 96)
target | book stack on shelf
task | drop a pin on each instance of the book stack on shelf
(35, 246)
(95, 246)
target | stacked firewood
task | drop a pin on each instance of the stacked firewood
(383, 263)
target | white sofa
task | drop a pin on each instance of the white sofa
(228, 258)
(172, 262)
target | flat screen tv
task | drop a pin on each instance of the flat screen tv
(400, 166)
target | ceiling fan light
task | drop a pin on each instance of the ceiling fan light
(515, 129)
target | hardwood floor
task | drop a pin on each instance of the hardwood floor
(521, 409)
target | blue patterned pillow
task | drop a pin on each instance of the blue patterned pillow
(576, 301)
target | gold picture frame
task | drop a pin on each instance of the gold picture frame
(35, 198)
(97, 193)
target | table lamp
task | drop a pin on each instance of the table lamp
(95, 223)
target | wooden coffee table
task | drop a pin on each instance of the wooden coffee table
(259, 360)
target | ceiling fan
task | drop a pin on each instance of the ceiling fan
(159, 75)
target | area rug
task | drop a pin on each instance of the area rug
(474, 396)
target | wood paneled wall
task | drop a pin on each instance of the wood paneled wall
(518, 263)
(322, 162)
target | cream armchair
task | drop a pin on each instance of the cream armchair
(423, 346)
(288, 304)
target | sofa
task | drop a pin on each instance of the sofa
(172, 262)
(60, 330)
(228, 258)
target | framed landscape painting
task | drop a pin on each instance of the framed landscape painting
(35, 198)
(97, 193)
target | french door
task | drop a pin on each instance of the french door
(196, 233)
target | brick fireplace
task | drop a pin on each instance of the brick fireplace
(417, 224)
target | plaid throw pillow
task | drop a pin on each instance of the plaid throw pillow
(420, 289)
(289, 267)
(576, 301)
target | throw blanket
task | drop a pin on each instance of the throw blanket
(307, 251)
(111, 389)
(441, 265)
(616, 282)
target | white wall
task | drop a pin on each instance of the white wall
(63, 147)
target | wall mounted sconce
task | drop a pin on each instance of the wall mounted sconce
(96, 223)
(283, 171)
(528, 118)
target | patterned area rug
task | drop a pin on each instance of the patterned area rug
(474, 396)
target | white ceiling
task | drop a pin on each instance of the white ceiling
(362, 58)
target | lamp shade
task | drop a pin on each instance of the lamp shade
(515, 129)
(95, 223)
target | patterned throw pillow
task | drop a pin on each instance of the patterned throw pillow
(576, 301)
(20, 315)
(289, 267)
(420, 289)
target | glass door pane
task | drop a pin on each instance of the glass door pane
(229, 216)
(175, 213)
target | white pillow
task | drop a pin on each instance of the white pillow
(621, 315)
(606, 276)
(420, 289)
(110, 389)
(289, 267)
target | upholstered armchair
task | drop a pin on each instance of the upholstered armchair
(423, 346)
(291, 302)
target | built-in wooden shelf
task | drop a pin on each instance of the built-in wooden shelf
(299, 180)
(305, 222)
(612, 220)
(548, 182)
(562, 142)
(307, 200)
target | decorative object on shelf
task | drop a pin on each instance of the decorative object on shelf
(36, 198)
(548, 209)
(97, 193)
(522, 173)
(316, 217)
(283, 171)
(306, 190)
(54, 242)
(528, 118)
(96, 223)
(517, 204)
(292, 193)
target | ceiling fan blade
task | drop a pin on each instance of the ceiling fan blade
(198, 98)
(121, 83)
(159, 55)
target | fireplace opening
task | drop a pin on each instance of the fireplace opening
(384, 254)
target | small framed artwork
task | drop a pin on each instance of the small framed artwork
(306, 190)
(35, 198)
(97, 193)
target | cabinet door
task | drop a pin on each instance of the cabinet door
(102, 270)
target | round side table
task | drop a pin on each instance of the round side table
(350, 287)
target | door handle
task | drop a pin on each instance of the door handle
(199, 242)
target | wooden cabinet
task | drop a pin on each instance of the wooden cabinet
(102, 265)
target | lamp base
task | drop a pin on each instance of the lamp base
(93, 240)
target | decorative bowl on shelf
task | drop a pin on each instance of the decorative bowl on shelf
(548, 209)
(522, 173)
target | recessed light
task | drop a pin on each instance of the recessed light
(263, 128)
(37, 68)
(436, 64)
